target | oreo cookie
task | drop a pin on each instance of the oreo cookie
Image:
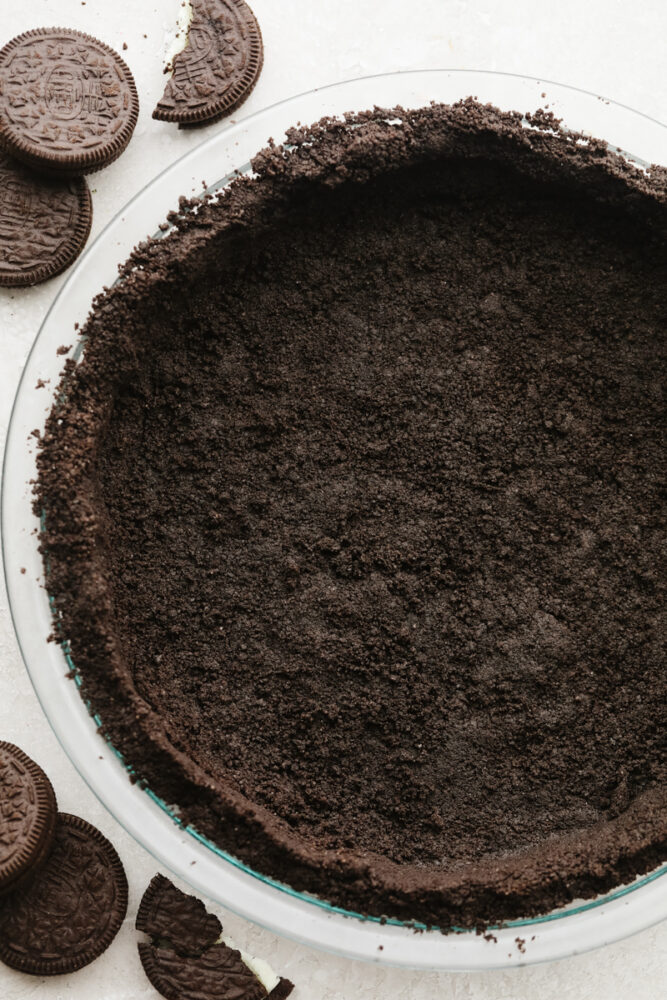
(167, 913)
(27, 817)
(68, 102)
(219, 66)
(72, 910)
(185, 960)
(44, 223)
(217, 974)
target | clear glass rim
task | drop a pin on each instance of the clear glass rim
(192, 155)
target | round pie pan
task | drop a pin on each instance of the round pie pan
(579, 927)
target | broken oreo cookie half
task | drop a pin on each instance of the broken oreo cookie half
(185, 960)
(219, 66)
(165, 912)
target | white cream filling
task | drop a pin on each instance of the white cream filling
(262, 969)
(177, 42)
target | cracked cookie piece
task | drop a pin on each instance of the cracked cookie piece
(218, 974)
(219, 66)
(185, 960)
(166, 912)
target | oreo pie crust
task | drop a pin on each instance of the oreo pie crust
(527, 766)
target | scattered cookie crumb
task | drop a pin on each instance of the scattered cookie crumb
(22, 569)
(124, 46)
(491, 937)
(40, 383)
(521, 944)
(64, 348)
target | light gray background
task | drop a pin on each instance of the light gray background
(612, 47)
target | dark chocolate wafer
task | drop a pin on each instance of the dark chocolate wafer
(166, 912)
(218, 974)
(282, 990)
(72, 910)
(219, 66)
(27, 817)
(44, 223)
(68, 102)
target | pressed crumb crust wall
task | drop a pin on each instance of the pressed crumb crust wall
(355, 540)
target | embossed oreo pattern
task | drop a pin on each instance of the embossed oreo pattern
(70, 913)
(44, 223)
(218, 974)
(68, 102)
(27, 810)
(219, 66)
(166, 912)
(19, 808)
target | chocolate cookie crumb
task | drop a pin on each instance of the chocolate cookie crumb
(361, 509)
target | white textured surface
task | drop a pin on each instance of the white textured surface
(614, 48)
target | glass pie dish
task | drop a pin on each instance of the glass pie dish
(311, 921)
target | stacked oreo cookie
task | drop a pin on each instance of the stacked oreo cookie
(63, 890)
(68, 106)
